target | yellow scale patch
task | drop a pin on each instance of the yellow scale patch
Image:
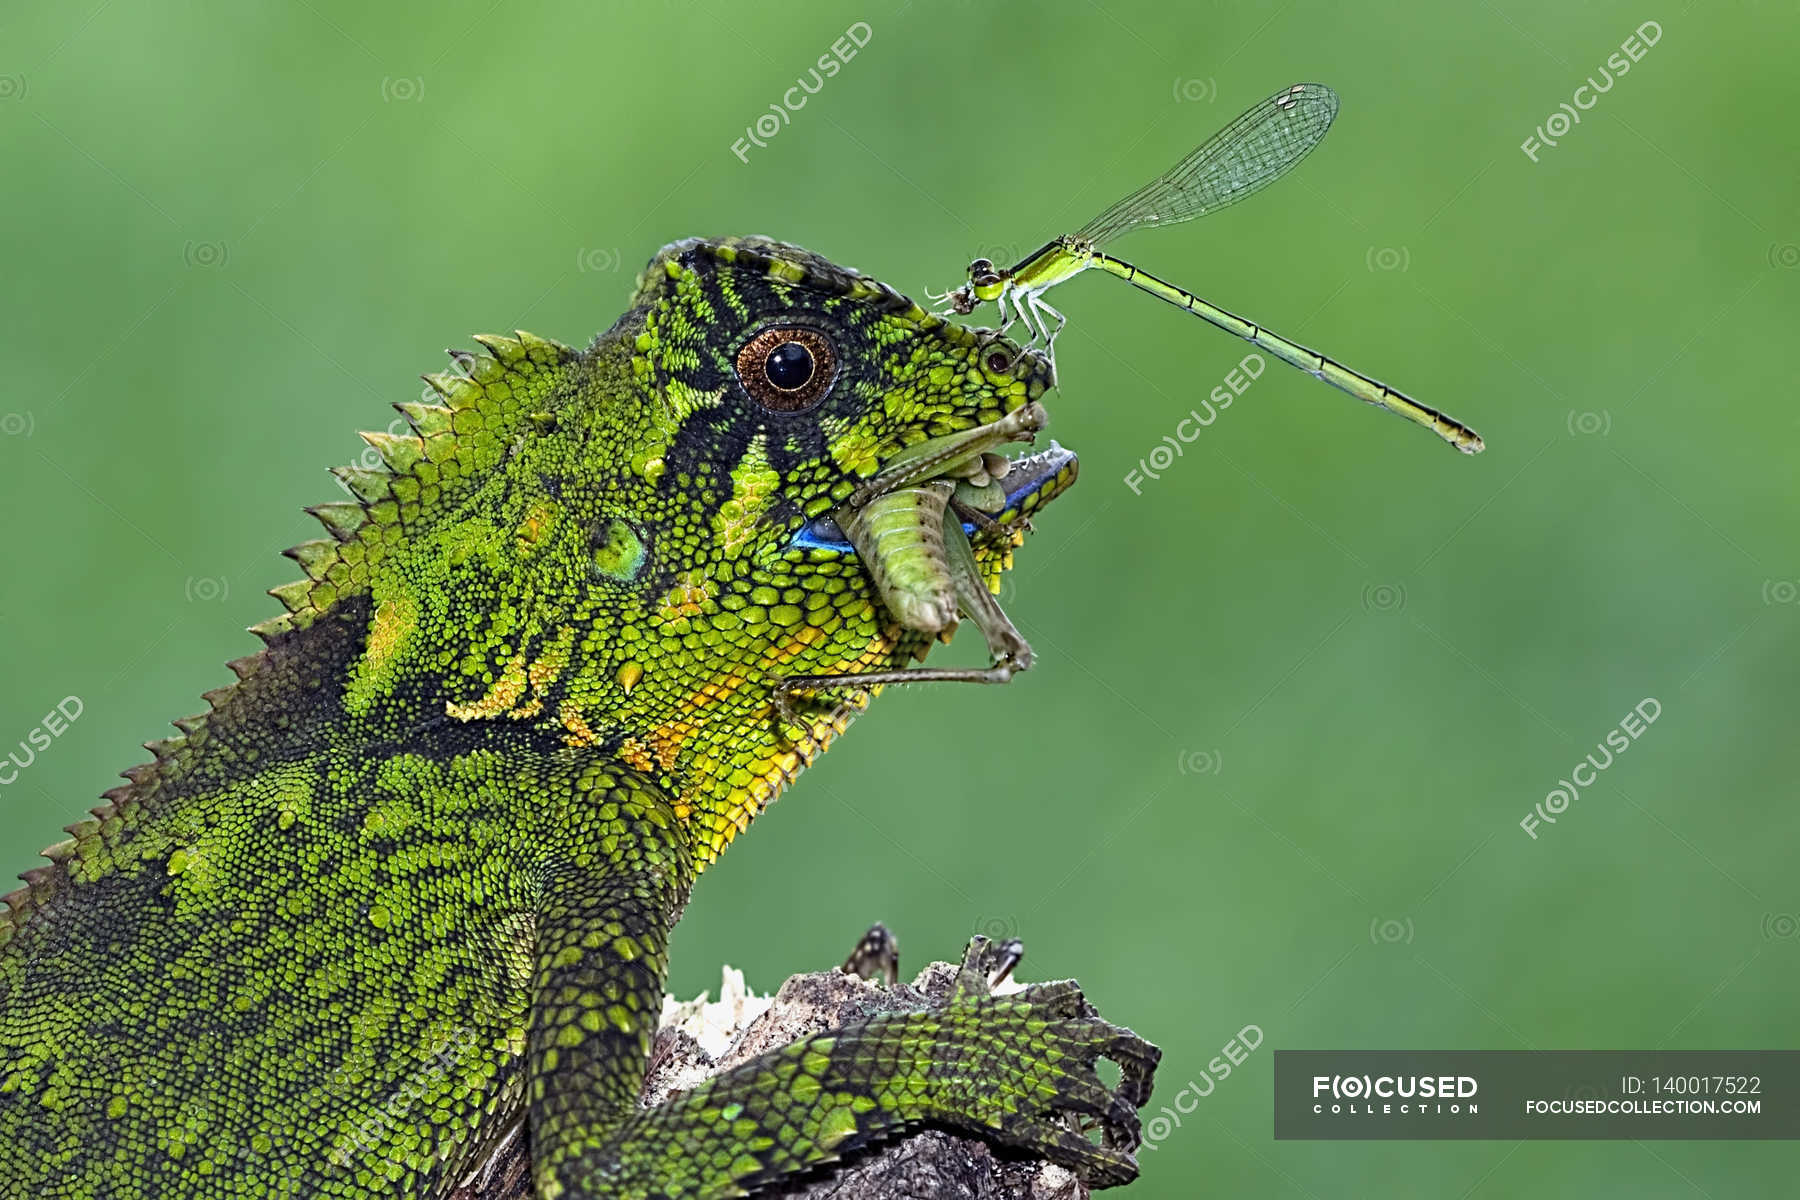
(500, 697)
(580, 732)
(635, 753)
(772, 769)
(508, 696)
(396, 616)
(537, 523)
(687, 598)
(753, 487)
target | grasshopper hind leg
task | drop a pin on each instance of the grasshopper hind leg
(1006, 645)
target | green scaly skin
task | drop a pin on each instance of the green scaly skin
(411, 878)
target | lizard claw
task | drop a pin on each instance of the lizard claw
(1056, 1067)
(1081, 1103)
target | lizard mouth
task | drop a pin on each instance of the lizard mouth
(1032, 481)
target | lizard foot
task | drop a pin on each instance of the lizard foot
(1036, 1052)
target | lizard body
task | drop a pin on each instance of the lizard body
(410, 880)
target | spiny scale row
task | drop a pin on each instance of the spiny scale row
(461, 389)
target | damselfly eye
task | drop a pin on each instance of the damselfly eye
(787, 368)
(982, 273)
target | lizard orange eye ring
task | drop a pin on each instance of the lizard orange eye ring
(787, 368)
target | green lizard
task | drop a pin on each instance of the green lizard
(410, 881)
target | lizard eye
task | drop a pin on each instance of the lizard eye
(787, 368)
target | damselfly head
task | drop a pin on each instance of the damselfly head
(985, 282)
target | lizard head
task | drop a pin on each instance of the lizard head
(767, 384)
(625, 549)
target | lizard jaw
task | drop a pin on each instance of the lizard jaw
(1032, 481)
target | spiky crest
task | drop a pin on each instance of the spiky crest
(484, 404)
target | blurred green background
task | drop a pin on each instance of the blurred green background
(1293, 700)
